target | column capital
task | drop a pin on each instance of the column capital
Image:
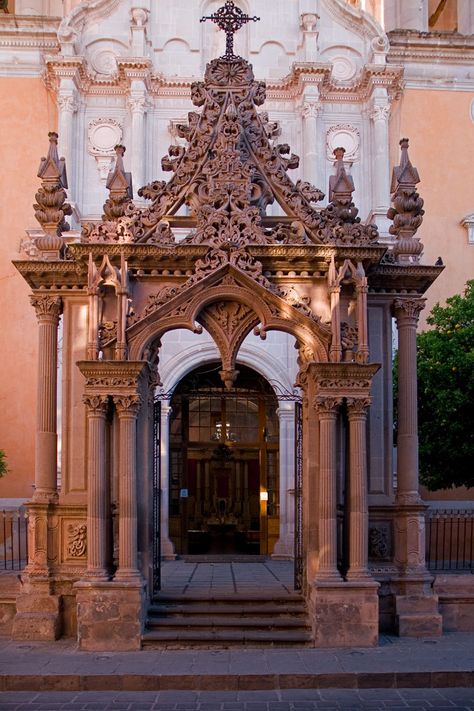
(96, 404)
(48, 308)
(380, 112)
(408, 308)
(138, 104)
(327, 406)
(67, 102)
(127, 405)
(357, 407)
(311, 108)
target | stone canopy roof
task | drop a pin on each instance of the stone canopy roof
(228, 174)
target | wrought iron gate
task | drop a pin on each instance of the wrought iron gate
(299, 566)
(156, 495)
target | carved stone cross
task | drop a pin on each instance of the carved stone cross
(230, 19)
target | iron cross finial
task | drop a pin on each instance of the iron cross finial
(230, 19)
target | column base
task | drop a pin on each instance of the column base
(284, 548)
(37, 617)
(416, 608)
(344, 614)
(110, 615)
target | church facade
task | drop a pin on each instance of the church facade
(218, 343)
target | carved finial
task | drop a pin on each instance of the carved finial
(119, 184)
(51, 206)
(407, 211)
(341, 185)
(230, 19)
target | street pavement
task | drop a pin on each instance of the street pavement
(276, 700)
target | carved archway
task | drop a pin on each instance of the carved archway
(229, 304)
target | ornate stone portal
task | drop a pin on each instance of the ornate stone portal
(313, 273)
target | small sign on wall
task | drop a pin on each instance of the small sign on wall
(183, 493)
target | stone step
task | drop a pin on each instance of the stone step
(219, 637)
(222, 609)
(250, 620)
(224, 622)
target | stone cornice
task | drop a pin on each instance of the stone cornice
(342, 379)
(29, 31)
(415, 278)
(165, 264)
(290, 87)
(119, 377)
(430, 47)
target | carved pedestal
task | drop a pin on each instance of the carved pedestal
(110, 615)
(344, 614)
(416, 608)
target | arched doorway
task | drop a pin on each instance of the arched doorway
(224, 470)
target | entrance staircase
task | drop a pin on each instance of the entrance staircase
(256, 620)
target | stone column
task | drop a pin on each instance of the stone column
(127, 408)
(48, 309)
(407, 312)
(416, 607)
(167, 549)
(137, 103)
(97, 488)
(380, 115)
(67, 106)
(327, 409)
(312, 160)
(284, 547)
(465, 17)
(358, 506)
(406, 15)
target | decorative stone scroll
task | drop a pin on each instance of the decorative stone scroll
(77, 540)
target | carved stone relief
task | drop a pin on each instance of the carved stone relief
(76, 544)
(380, 541)
(103, 135)
(346, 136)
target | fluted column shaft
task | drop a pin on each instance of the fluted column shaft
(137, 103)
(407, 312)
(67, 106)
(358, 503)
(285, 544)
(380, 116)
(97, 487)
(327, 501)
(127, 408)
(48, 309)
(310, 111)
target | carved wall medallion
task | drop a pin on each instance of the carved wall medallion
(346, 136)
(103, 135)
(104, 61)
(343, 68)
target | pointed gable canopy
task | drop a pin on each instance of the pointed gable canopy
(228, 174)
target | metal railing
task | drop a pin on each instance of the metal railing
(450, 539)
(13, 540)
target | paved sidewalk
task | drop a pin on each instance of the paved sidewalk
(396, 663)
(289, 700)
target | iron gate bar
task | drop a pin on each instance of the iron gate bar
(156, 495)
(298, 496)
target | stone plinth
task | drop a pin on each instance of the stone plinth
(418, 616)
(109, 615)
(37, 617)
(345, 614)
